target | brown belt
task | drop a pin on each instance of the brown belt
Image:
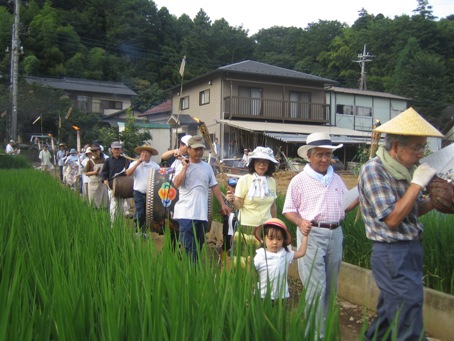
(331, 226)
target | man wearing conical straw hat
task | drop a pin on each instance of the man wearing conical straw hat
(390, 188)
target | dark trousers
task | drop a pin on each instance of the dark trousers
(192, 235)
(397, 269)
(140, 202)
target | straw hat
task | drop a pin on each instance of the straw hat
(88, 151)
(410, 123)
(314, 140)
(146, 147)
(259, 231)
(265, 153)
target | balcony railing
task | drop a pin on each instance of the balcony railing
(247, 107)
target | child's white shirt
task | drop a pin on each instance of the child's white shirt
(273, 269)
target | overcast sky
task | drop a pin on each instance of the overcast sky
(254, 15)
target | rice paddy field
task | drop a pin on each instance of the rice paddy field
(66, 274)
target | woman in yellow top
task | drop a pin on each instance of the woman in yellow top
(255, 193)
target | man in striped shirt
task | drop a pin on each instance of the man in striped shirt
(314, 203)
(390, 188)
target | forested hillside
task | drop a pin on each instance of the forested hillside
(135, 42)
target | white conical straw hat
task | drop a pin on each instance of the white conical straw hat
(409, 122)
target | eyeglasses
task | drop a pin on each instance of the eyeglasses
(321, 156)
(418, 149)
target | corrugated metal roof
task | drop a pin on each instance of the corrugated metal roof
(253, 67)
(83, 85)
(364, 92)
(301, 139)
(302, 129)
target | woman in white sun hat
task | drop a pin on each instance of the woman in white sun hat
(255, 193)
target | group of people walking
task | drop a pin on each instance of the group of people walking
(390, 197)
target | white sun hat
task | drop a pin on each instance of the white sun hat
(265, 153)
(320, 140)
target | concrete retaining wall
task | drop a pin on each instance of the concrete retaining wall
(357, 285)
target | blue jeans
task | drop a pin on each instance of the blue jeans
(397, 269)
(192, 235)
(140, 201)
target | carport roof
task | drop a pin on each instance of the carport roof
(285, 129)
(301, 138)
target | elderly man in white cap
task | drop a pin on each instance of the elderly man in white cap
(10, 148)
(314, 203)
(390, 187)
(194, 178)
(114, 166)
(140, 170)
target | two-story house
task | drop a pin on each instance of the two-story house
(249, 103)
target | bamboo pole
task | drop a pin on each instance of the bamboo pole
(206, 136)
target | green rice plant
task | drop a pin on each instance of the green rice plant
(357, 248)
(14, 162)
(66, 274)
(437, 240)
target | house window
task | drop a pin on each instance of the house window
(83, 103)
(204, 97)
(364, 111)
(184, 103)
(118, 105)
(300, 104)
(249, 101)
(344, 109)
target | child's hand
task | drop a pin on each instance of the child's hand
(305, 227)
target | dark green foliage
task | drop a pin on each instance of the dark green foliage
(135, 40)
(13, 162)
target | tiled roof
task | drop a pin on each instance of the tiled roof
(83, 85)
(164, 107)
(252, 67)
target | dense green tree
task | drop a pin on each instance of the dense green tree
(147, 94)
(135, 42)
(421, 77)
(131, 137)
(314, 40)
(278, 45)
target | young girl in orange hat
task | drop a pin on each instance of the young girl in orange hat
(272, 261)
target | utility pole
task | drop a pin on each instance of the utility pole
(363, 58)
(15, 51)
